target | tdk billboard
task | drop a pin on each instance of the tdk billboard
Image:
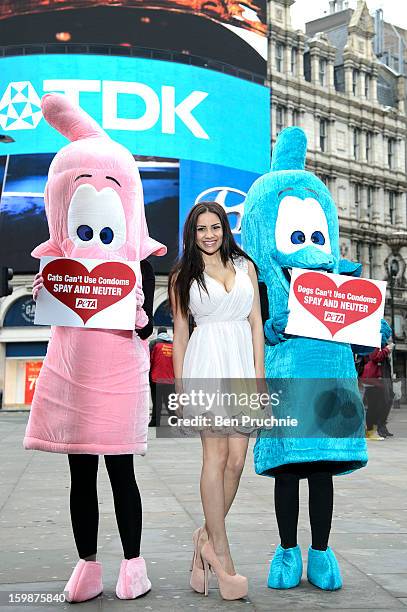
(155, 108)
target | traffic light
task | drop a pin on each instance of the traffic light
(5, 278)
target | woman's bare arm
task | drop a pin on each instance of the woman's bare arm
(256, 325)
(181, 336)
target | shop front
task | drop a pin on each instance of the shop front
(23, 348)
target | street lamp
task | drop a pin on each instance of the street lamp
(393, 268)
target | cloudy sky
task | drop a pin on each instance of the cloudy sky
(395, 11)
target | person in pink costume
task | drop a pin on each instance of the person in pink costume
(92, 395)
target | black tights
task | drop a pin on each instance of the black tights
(84, 502)
(286, 499)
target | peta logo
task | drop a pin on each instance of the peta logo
(20, 105)
(231, 199)
(88, 304)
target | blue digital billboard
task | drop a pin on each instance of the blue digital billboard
(155, 108)
(23, 224)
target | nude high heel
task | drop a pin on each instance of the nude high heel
(195, 538)
(230, 587)
(197, 580)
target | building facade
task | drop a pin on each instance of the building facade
(352, 107)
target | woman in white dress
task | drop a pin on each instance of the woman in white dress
(216, 283)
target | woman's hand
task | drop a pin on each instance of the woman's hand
(37, 285)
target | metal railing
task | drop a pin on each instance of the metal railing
(131, 51)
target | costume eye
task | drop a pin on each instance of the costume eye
(97, 218)
(318, 238)
(297, 221)
(106, 235)
(297, 237)
(85, 232)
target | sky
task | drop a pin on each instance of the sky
(394, 11)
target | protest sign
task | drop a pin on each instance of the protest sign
(87, 293)
(335, 307)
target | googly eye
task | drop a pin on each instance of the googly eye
(85, 232)
(106, 235)
(318, 238)
(298, 237)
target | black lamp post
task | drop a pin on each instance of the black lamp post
(393, 269)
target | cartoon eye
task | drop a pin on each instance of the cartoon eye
(318, 238)
(297, 237)
(102, 212)
(106, 235)
(85, 232)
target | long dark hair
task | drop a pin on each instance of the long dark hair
(190, 266)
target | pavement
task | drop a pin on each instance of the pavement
(37, 551)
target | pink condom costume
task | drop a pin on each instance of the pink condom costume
(92, 393)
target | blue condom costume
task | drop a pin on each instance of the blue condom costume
(290, 220)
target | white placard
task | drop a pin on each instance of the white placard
(335, 307)
(88, 293)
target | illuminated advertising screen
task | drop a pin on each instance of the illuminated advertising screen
(23, 224)
(190, 128)
(230, 31)
(153, 108)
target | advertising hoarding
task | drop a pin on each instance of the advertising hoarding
(157, 109)
(22, 215)
(154, 108)
(229, 31)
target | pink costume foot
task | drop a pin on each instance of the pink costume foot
(85, 581)
(133, 581)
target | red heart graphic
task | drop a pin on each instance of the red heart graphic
(331, 304)
(71, 283)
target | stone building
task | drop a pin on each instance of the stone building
(352, 107)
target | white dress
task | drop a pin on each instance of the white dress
(219, 356)
(221, 344)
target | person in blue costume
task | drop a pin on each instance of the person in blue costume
(290, 221)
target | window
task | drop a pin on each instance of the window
(324, 178)
(323, 134)
(391, 145)
(358, 252)
(322, 71)
(280, 118)
(370, 248)
(357, 199)
(296, 118)
(369, 202)
(369, 138)
(392, 207)
(355, 78)
(367, 86)
(279, 57)
(356, 142)
(294, 60)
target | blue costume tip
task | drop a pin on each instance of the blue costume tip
(323, 569)
(285, 569)
(289, 150)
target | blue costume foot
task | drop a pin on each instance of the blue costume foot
(285, 569)
(323, 569)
